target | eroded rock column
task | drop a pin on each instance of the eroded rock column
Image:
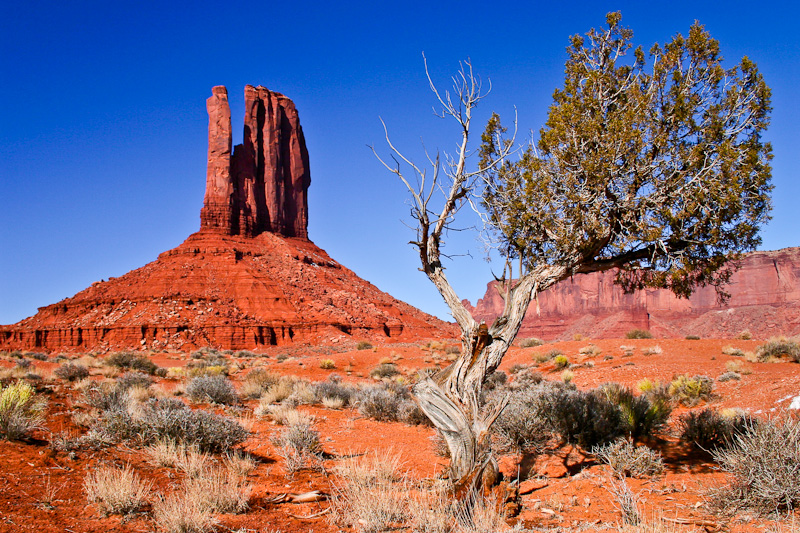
(217, 213)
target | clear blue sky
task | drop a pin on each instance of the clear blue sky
(103, 120)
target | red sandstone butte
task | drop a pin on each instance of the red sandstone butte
(765, 299)
(249, 278)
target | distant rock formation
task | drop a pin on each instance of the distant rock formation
(249, 278)
(765, 299)
(263, 185)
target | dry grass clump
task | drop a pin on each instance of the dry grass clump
(257, 382)
(370, 496)
(327, 364)
(625, 500)
(734, 352)
(219, 490)
(181, 513)
(652, 350)
(627, 459)
(130, 361)
(763, 463)
(116, 490)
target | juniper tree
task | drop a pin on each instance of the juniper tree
(652, 164)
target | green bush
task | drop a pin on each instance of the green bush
(709, 429)
(561, 362)
(692, 337)
(638, 334)
(691, 391)
(778, 346)
(131, 361)
(642, 415)
(20, 410)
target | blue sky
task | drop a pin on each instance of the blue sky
(103, 121)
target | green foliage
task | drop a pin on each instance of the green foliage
(20, 410)
(658, 169)
(638, 334)
(584, 418)
(709, 429)
(691, 391)
(642, 415)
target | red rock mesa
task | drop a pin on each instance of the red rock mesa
(765, 299)
(249, 278)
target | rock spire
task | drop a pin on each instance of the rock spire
(263, 184)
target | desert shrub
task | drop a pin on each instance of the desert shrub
(116, 490)
(363, 345)
(334, 389)
(638, 334)
(530, 342)
(246, 354)
(692, 337)
(72, 371)
(547, 356)
(496, 379)
(130, 361)
(627, 459)
(213, 389)
(730, 350)
(129, 380)
(584, 418)
(626, 501)
(520, 426)
(453, 349)
(729, 376)
(171, 419)
(561, 362)
(745, 335)
(20, 410)
(691, 391)
(763, 463)
(39, 356)
(180, 512)
(591, 350)
(567, 376)
(327, 364)
(379, 402)
(526, 377)
(277, 392)
(384, 370)
(778, 346)
(710, 429)
(299, 446)
(642, 415)
(652, 350)
(257, 382)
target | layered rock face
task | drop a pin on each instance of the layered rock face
(263, 185)
(765, 299)
(249, 278)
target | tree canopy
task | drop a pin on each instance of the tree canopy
(656, 167)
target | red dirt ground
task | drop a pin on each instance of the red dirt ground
(41, 489)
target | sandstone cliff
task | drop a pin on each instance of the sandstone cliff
(249, 278)
(765, 299)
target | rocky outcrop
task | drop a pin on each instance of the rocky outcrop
(263, 185)
(764, 299)
(249, 278)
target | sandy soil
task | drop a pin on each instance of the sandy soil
(41, 489)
